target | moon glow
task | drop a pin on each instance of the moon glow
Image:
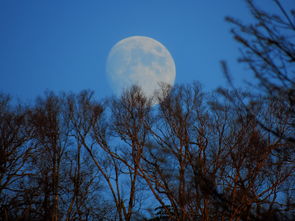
(140, 61)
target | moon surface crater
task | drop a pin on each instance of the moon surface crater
(140, 61)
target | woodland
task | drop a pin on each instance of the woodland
(224, 155)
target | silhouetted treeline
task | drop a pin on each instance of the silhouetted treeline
(225, 155)
(70, 157)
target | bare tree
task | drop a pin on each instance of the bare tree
(50, 140)
(196, 156)
(93, 133)
(268, 50)
(214, 161)
(15, 152)
(131, 121)
(86, 193)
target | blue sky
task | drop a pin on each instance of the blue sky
(63, 45)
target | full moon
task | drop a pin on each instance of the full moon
(140, 61)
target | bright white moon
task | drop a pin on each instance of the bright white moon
(140, 61)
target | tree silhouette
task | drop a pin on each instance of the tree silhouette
(268, 50)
